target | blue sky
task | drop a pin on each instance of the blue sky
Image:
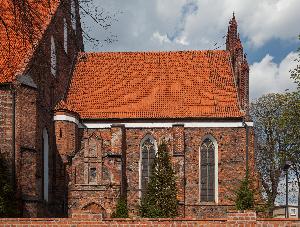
(269, 31)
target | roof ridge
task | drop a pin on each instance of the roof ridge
(149, 52)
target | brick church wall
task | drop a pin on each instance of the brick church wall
(27, 163)
(6, 122)
(34, 113)
(232, 166)
(183, 144)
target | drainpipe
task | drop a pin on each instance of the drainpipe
(13, 92)
(184, 174)
(247, 146)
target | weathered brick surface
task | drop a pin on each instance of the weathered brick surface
(34, 112)
(90, 168)
(247, 219)
(6, 118)
(108, 142)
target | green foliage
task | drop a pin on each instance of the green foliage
(161, 198)
(244, 196)
(8, 205)
(121, 209)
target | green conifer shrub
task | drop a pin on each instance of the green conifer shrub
(244, 195)
(160, 200)
(121, 209)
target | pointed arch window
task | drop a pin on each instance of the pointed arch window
(148, 152)
(65, 35)
(73, 15)
(208, 171)
(53, 62)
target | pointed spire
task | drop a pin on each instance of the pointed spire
(233, 20)
(232, 34)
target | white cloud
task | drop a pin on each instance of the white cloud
(197, 24)
(161, 38)
(268, 77)
(262, 20)
(181, 40)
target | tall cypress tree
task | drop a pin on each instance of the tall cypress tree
(161, 196)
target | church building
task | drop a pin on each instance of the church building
(79, 129)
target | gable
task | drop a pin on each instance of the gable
(183, 84)
(17, 43)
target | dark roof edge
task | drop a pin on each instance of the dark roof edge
(150, 52)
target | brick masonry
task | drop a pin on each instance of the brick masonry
(183, 145)
(6, 132)
(113, 153)
(247, 219)
(34, 112)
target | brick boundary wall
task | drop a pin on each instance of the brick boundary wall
(245, 219)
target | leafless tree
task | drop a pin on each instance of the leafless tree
(25, 20)
(270, 150)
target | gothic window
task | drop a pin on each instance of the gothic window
(65, 35)
(45, 164)
(73, 14)
(53, 62)
(207, 171)
(148, 150)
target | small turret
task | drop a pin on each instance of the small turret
(239, 63)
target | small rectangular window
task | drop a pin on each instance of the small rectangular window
(293, 211)
(60, 133)
(93, 175)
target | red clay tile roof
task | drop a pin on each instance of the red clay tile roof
(184, 84)
(15, 48)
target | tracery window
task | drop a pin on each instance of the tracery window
(148, 151)
(207, 171)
